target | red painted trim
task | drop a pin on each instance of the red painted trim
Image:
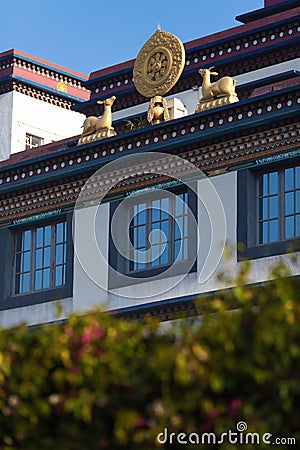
(37, 60)
(272, 2)
(112, 69)
(48, 82)
(6, 72)
(240, 29)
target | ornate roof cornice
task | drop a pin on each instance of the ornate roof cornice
(41, 79)
(254, 46)
(215, 141)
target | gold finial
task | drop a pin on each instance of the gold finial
(158, 26)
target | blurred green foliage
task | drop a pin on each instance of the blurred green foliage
(98, 382)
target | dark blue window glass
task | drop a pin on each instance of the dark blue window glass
(279, 205)
(161, 233)
(40, 258)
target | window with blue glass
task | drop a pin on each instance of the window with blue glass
(279, 205)
(154, 235)
(159, 232)
(40, 259)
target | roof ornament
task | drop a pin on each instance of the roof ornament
(157, 69)
(220, 93)
(95, 128)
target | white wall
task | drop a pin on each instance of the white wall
(87, 294)
(6, 105)
(41, 119)
(37, 314)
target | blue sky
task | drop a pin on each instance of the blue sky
(92, 34)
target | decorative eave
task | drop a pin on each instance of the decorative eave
(41, 79)
(216, 141)
(254, 46)
(267, 11)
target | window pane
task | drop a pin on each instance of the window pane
(141, 242)
(289, 203)
(155, 255)
(263, 233)
(27, 240)
(155, 215)
(297, 170)
(59, 254)
(46, 278)
(47, 236)
(165, 231)
(273, 182)
(59, 276)
(46, 256)
(289, 179)
(274, 207)
(26, 262)
(186, 227)
(178, 224)
(179, 205)
(156, 235)
(26, 283)
(38, 279)
(265, 189)
(273, 230)
(39, 258)
(185, 249)
(165, 208)
(60, 232)
(39, 237)
(289, 227)
(297, 201)
(141, 217)
(265, 209)
(164, 259)
(178, 251)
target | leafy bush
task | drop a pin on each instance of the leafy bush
(98, 382)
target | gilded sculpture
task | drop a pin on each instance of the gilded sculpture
(158, 110)
(157, 69)
(95, 128)
(222, 92)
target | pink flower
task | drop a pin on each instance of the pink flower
(235, 406)
(91, 333)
